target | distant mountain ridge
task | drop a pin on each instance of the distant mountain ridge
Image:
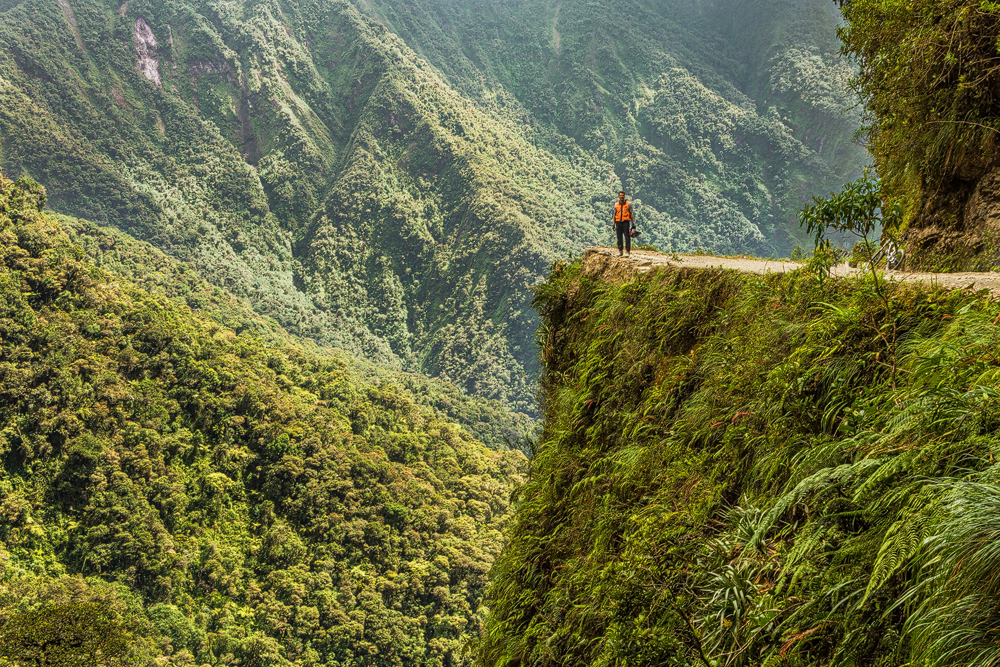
(736, 91)
(391, 177)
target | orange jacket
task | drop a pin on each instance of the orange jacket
(623, 212)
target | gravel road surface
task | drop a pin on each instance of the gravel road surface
(601, 259)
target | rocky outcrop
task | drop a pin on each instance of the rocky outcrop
(71, 19)
(958, 226)
(145, 48)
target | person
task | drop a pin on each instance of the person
(624, 222)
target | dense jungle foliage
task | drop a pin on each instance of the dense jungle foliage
(388, 177)
(929, 80)
(929, 76)
(490, 421)
(175, 494)
(757, 470)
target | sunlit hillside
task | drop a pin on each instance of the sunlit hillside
(391, 177)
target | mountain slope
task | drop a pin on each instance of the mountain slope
(756, 470)
(719, 117)
(929, 79)
(163, 158)
(395, 195)
(225, 501)
(137, 262)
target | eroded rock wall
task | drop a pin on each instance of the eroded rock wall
(145, 49)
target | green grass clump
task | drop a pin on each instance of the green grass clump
(756, 470)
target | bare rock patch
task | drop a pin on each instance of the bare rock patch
(145, 48)
(71, 19)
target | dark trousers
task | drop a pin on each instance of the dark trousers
(621, 230)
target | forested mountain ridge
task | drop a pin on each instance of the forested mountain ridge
(218, 500)
(395, 194)
(720, 117)
(166, 163)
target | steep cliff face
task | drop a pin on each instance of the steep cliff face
(744, 470)
(957, 225)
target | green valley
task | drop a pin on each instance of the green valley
(300, 366)
(390, 177)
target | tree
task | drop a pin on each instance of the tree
(859, 209)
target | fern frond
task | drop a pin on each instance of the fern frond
(818, 482)
(957, 615)
(901, 542)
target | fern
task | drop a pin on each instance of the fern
(957, 617)
(901, 542)
(814, 484)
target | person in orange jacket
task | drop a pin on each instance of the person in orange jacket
(623, 220)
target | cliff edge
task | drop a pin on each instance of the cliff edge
(603, 262)
(755, 469)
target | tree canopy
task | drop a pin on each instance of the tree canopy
(221, 500)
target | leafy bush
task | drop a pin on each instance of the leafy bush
(64, 635)
(859, 209)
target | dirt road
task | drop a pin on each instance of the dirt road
(600, 260)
